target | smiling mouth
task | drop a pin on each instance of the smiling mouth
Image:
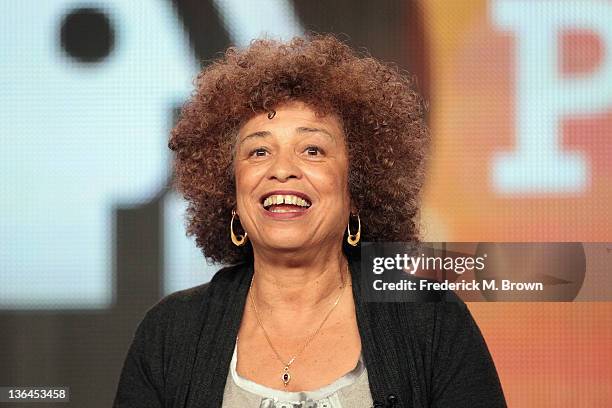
(283, 203)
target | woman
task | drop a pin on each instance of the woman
(289, 155)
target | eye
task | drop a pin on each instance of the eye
(259, 152)
(313, 150)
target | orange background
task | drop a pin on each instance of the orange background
(547, 354)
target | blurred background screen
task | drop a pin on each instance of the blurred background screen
(92, 235)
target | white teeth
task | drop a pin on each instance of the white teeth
(285, 199)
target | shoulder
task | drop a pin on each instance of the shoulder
(440, 317)
(438, 305)
(164, 344)
(182, 307)
(451, 352)
(165, 338)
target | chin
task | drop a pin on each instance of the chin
(281, 244)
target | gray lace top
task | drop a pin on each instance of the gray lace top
(349, 391)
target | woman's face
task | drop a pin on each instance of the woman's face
(292, 179)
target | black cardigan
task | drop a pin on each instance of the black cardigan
(417, 354)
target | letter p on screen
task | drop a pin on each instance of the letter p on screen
(543, 97)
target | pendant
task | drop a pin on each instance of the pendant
(286, 377)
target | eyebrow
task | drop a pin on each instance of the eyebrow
(301, 129)
(261, 133)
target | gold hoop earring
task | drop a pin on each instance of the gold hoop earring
(353, 239)
(239, 240)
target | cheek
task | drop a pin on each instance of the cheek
(331, 182)
(340, 177)
(241, 174)
(242, 182)
(324, 179)
(246, 180)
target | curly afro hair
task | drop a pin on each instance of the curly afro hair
(382, 116)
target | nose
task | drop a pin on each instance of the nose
(284, 166)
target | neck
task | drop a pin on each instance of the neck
(299, 282)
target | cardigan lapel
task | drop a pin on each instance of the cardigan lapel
(386, 360)
(220, 316)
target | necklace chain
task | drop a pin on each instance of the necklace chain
(292, 359)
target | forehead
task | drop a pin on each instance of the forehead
(291, 116)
